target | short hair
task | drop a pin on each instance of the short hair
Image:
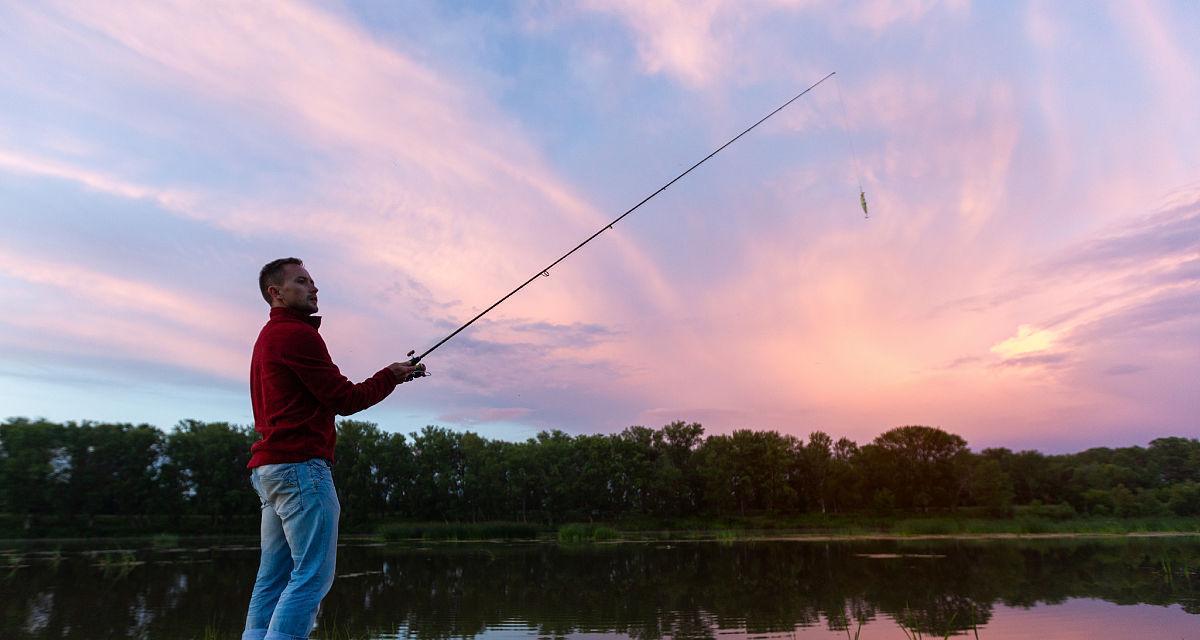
(272, 274)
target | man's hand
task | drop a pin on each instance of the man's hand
(404, 371)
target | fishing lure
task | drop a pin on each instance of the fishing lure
(862, 195)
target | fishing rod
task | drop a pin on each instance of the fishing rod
(546, 271)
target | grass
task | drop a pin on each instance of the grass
(578, 532)
(395, 532)
(11, 564)
(909, 625)
(54, 558)
(727, 536)
(1023, 520)
(1038, 525)
(728, 530)
(62, 526)
(165, 541)
(117, 565)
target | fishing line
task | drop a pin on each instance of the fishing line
(862, 194)
(545, 272)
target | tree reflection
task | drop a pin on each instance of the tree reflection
(682, 590)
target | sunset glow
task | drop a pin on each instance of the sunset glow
(1029, 276)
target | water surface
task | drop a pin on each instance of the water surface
(1078, 588)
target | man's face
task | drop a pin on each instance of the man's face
(297, 292)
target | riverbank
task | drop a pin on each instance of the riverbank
(620, 538)
(808, 526)
(805, 527)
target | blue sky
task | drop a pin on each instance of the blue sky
(1028, 278)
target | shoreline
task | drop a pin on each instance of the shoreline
(894, 537)
(358, 539)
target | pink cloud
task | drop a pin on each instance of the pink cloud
(417, 162)
(682, 39)
(879, 15)
(417, 166)
(15, 162)
(422, 201)
(702, 44)
(106, 293)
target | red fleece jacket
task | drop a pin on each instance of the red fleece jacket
(296, 391)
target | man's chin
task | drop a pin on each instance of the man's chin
(307, 308)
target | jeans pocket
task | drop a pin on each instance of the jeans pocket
(281, 488)
(319, 473)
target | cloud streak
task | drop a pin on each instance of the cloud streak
(1008, 283)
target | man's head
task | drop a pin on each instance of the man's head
(286, 283)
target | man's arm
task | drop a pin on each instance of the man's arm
(308, 357)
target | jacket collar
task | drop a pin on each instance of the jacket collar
(288, 312)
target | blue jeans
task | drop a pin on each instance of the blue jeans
(300, 513)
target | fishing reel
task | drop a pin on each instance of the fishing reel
(419, 373)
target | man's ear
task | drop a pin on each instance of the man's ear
(273, 291)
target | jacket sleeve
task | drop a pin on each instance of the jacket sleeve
(308, 357)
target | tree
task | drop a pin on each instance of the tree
(207, 462)
(846, 478)
(1174, 460)
(988, 486)
(437, 486)
(749, 471)
(35, 465)
(360, 484)
(679, 442)
(920, 465)
(114, 469)
(817, 466)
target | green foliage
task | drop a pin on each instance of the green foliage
(206, 462)
(927, 526)
(33, 460)
(361, 483)
(165, 541)
(397, 532)
(576, 533)
(1183, 499)
(1046, 511)
(922, 466)
(98, 477)
(727, 536)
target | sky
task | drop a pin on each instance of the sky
(1029, 276)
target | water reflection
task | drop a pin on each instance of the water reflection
(651, 590)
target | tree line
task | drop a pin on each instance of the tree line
(82, 470)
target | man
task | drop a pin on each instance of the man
(296, 391)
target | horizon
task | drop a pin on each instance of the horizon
(1029, 276)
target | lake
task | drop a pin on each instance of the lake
(1095, 588)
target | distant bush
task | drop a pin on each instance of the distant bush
(927, 526)
(1034, 525)
(1047, 511)
(727, 536)
(394, 532)
(578, 532)
(165, 540)
(1183, 499)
